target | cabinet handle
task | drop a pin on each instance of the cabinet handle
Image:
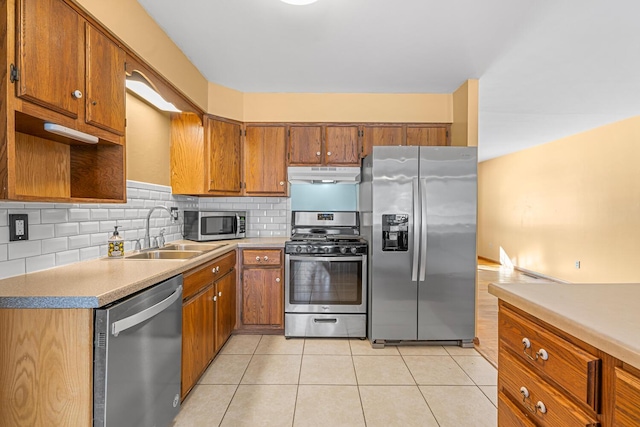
(218, 269)
(328, 153)
(220, 293)
(266, 258)
(317, 153)
(542, 354)
(257, 258)
(76, 94)
(539, 406)
(277, 280)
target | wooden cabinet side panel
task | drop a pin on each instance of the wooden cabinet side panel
(42, 167)
(627, 399)
(224, 156)
(98, 171)
(342, 146)
(305, 145)
(46, 367)
(105, 79)
(187, 154)
(49, 33)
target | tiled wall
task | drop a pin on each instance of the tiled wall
(61, 234)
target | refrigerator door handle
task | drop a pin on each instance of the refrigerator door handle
(416, 229)
(423, 232)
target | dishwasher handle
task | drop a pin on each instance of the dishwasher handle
(131, 321)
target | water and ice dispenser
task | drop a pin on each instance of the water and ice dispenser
(395, 233)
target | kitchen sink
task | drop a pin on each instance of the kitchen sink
(171, 254)
(191, 247)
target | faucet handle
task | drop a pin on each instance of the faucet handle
(138, 246)
(153, 243)
(161, 238)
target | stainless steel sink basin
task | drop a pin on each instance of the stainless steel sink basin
(191, 247)
(176, 255)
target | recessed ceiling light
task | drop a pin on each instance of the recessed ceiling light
(299, 2)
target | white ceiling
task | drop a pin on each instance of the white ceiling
(547, 68)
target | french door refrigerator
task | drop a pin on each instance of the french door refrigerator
(418, 211)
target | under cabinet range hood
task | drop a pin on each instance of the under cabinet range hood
(324, 174)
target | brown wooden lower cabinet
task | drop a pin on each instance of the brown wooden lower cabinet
(262, 288)
(547, 377)
(208, 315)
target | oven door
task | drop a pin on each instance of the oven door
(325, 284)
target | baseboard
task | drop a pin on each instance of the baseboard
(527, 272)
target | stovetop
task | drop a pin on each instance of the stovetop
(325, 233)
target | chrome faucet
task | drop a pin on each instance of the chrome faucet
(147, 238)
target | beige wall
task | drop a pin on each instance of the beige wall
(575, 199)
(148, 138)
(464, 130)
(225, 102)
(131, 23)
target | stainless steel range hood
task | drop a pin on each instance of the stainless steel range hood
(324, 174)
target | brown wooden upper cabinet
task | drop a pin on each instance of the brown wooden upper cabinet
(205, 159)
(265, 168)
(66, 65)
(381, 135)
(436, 135)
(331, 145)
(405, 134)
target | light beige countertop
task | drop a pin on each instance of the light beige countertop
(603, 315)
(95, 283)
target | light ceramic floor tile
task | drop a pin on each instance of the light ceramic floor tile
(241, 344)
(278, 344)
(226, 369)
(205, 406)
(260, 405)
(395, 406)
(363, 348)
(455, 350)
(382, 370)
(477, 367)
(422, 350)
(328, 406)
(327, 346)
(273, 369)
(336, 370)
(491, 391)
(460, 406)
(436, 370)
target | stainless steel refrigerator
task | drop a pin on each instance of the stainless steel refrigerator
(418, 211)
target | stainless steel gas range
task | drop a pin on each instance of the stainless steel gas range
(325, 276)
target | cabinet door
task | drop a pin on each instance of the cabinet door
(265, 169)
(428, 135)
(627, 396)
(105, 100)
(342, 146)
(226, 308)
(262, 297)
(305, 145)
(198, 346)
(381, 135)
(224, 157)
(49, 55)
(187, 154)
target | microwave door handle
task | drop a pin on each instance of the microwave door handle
(235, 225)
(416, 230)
(423, 236)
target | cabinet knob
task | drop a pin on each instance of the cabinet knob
(76, 94)
(217, 269)
(317, 153)
(257, 258)
(215, 298)
(94, 102)
(220, 293)
(266, 258)
(542, 354)
(281, 183)
(328, 153)
(524, 392)
(277, 280)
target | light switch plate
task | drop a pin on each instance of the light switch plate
(18, 227)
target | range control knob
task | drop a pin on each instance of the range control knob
(309, 248)
(354, 250)
(327, 249)
(343, 250)
(298, 249)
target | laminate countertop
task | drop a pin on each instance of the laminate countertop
(98, 282)
(603, 315)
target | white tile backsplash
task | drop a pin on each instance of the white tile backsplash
(60, 234)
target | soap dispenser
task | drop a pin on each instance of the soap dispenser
(116, 245)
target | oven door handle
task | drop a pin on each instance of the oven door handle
(325, 320)
(326, 258)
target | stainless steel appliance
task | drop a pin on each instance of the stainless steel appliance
(214, 225)
(325, 276)
(418, 208)
(137, 353)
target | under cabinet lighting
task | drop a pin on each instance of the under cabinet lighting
(70, 133)
(151, 96)
(299, 2)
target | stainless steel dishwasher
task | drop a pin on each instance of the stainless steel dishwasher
(137, 353)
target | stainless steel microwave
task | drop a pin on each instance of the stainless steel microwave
(214, 225)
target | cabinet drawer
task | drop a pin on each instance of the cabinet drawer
(515, 377)
(262, 257)
(198, 278)
(574, 369)
(510, 415)
(627, 396)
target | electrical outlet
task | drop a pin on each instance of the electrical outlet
(578, 264)
(18, 227)
(174, 214)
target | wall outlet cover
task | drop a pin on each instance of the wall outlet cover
(18, 227)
